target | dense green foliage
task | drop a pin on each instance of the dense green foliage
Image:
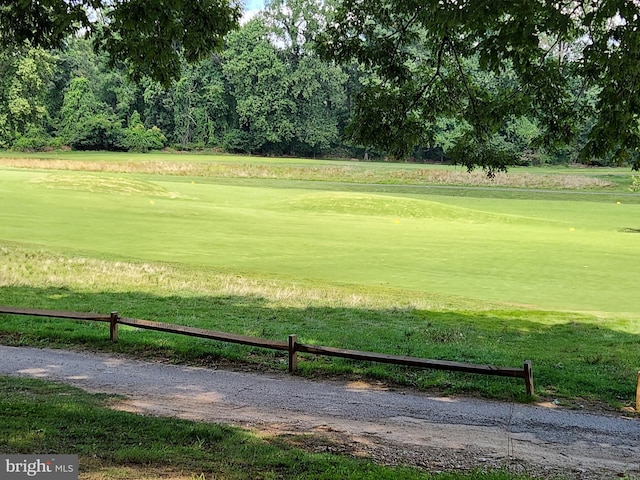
(486, 63)
(148, 37)
(255, 98)
(481, 85)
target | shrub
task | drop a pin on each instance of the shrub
(99, 132)
(237, 141)
(139, 139)
(32, 141)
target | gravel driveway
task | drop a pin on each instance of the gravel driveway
(357, 418)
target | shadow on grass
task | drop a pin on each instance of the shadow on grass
(48, 418)
(575, 357)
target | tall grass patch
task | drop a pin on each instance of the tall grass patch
(224, 166)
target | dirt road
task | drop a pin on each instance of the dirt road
(357, 418)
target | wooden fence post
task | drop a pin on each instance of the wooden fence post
(528, 377)
(292, 346)
(638, 394)
(293, 355)
(113, 327)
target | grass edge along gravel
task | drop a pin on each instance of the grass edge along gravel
(46, 417)
(578, 358)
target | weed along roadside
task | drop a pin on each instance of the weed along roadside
(291, 346)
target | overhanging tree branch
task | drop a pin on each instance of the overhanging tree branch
(149, 36)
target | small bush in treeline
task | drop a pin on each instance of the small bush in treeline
(99, 132)
(31, 141)
(137, 138)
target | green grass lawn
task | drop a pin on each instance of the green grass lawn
(567, 255)
(485, 274)
(49, 418)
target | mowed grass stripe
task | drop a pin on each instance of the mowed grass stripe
(557, 255)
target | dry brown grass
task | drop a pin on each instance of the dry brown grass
(514, 179)
(355, 174)
(21, 266)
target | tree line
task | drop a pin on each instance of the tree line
(295, 81)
